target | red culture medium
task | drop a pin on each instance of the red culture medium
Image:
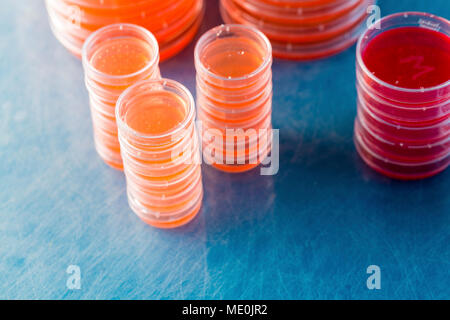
(403, 79)
(409, 57)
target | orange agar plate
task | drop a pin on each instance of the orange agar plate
(160, 151)
(114, 58)
(301, 30)
(234, 96)
(173, 22)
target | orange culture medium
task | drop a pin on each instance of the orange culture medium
(157, 114)
(123, 56)
(237, 60)
(157, 136)
(116, 57)
(232, 58)
(169, 20)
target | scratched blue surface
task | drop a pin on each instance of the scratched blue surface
(309, 232)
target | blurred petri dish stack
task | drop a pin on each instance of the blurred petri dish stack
(402, 127)
(160, 150)
(173, 22)
(114, 58)
(234, 96)
(301, 29)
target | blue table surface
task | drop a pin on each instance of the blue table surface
(309, 232)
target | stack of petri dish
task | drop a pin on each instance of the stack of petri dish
(173, 22)
(160, 150)
(301, 29)
(114, 58)
(403, 81)
(234, 96)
